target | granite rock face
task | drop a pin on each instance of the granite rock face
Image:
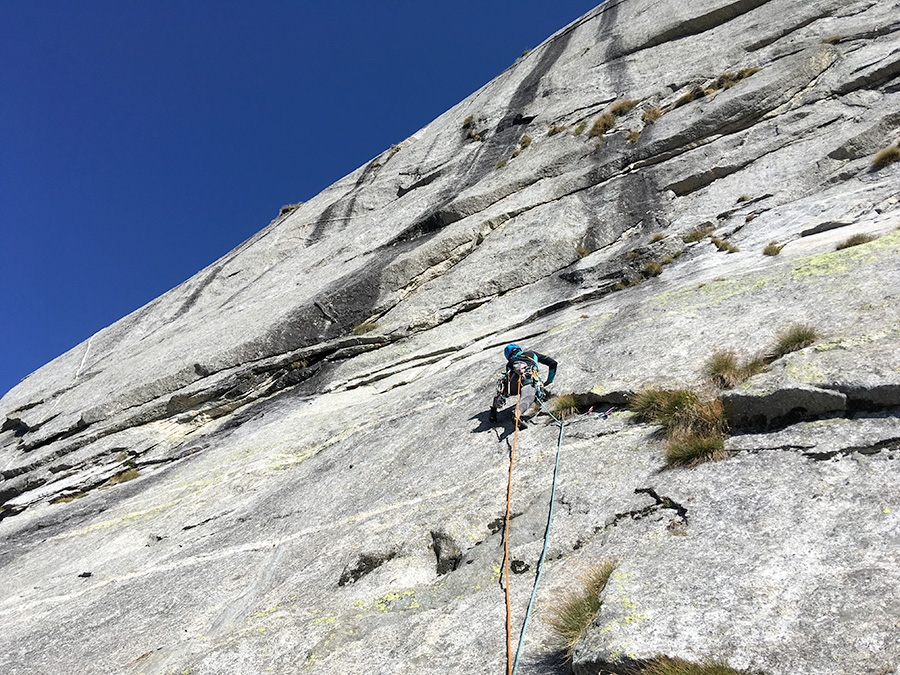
(285, 464)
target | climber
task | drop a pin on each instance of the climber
(522, 377)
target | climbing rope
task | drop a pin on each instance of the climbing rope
(540, 565)
(512, 455)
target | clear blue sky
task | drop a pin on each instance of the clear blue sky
(140, 141)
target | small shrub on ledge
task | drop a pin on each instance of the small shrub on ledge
(773, 248)
(886, 156)
(793, 338)
(855, 240)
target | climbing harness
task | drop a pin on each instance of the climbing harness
(512, 665)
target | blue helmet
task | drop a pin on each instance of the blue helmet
(511, 350)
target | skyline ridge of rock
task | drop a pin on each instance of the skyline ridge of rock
(285, 462)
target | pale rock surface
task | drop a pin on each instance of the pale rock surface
(319, 489)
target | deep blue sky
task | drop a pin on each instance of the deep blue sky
(141, 141)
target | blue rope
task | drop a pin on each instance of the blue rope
(540, 565)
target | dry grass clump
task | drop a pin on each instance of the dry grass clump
(601, 125)
(651, 114)
(725, 370)
(692, 95)
(723, 245)
(728, 79)
(555, 129)
(500, 164)
(695, 449)
(697, 234)
(632, 135)
(582, 250)
(607, 119)
(855, 240)
(579, 127)
(570, 616)
(563, 406)
(773, 248)
(124, 476)
(622, 107)
(652, 269)
(364, 327)
(289, 208)
(669, 666)
(525, 141)
(657, 236)
(469, 127)
(886, 156)
(793, 338)
(695, 428)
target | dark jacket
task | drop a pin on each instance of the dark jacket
(532, 358)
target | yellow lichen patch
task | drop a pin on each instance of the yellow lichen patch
(836, 262)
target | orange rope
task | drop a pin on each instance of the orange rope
(512, 455)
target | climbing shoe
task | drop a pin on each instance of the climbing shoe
(492, 416)
(521, 423)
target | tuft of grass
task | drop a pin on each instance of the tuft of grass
(601, 125)
(622, 107)
(515, 154)
(773, 248)
(723, 245)
(695, 449)
(743, 198)
(886, 157)
(632, 135)
(289, 208)
(525, 141)
(500, 164)
(579, 127)
(728, 79)
(725, 370)
(633, 254)
(124, 476)
(662, 405)
(695, 428)
(571, 615)
(468, 122)
(66, 498)
(665, 665)
(792, 339)
(832, 39)
(582, 250)
(555, 129)
(855, 240)
(651, 114)
(658, 236)
(697, 234)
(564, 405)
(692, 95)
(652, 269)
(667, 260)
(472, 134)
(364, 327)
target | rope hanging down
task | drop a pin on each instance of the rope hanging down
(512, 456)
(512, 665)
(540, 565)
